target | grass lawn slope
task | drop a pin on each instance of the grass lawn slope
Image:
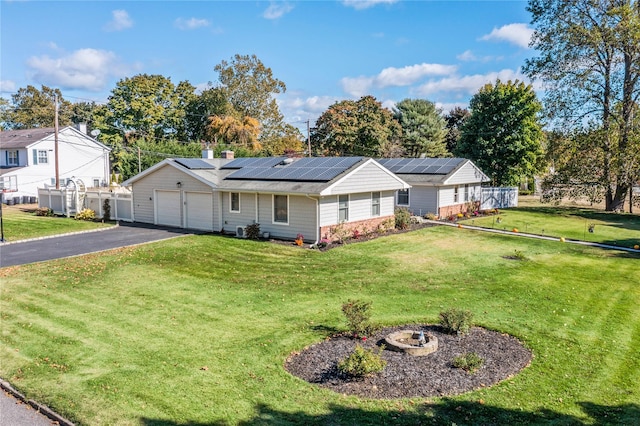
(195, 330)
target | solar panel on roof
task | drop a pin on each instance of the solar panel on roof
(195, 163)
(421, 165)
(319, 169)
(240, 163)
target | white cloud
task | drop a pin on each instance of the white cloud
(518, 34)
(468, 84)
(365, 4)
(85, 69)
(277, 10)
(405, 76)
(191, 24)
(467, 55)
(8, 86)
(121, 21)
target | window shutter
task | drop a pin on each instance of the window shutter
(35, 157)
(6, 158)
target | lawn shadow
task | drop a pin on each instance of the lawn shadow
(326, 330)
(445, 412)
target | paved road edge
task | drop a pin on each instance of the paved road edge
(6, 386)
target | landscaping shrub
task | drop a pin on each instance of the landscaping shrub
(469, 362)
(358, 314)
(403, 218)
(106, 209)
(456, 321)
(252, 231)
(362, 362)
(86, 214)
(44, 211)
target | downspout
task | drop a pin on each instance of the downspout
(317, 217)
(257, 216)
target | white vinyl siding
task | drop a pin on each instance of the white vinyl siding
(366, 179)
(424, 199)
(247, 216)
(302, 217)
(468, 173)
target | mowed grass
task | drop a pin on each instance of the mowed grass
(570, 222)
(20, 223)
(196, 330)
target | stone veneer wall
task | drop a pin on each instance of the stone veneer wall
(368, 225)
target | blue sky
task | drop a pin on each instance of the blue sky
(324, 51)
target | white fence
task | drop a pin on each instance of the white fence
(499, 198)
(68, 202)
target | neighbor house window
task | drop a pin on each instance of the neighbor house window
(12, 158)
(375, 204)
(43, 157)
(343, 208)
(96, 183)
(456, 193)
(234, 201)
(281, 208)
(403, 197)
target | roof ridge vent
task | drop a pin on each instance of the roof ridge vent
(287, 161)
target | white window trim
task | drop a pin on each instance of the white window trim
(273, 210)
(45, 156)
(379, 204)
(348, 207)
(17, 158)
(466, 193)
(456, 193)
(231, 203)
(408, 197)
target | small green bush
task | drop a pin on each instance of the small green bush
(358, 314)
(252, 231)
(86, 214)
(403, 218)
(470, 362)
(106, 209)
(456, 321)
(44, 211)
(362, 362)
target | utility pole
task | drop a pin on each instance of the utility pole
(55, 138)
(308, 138)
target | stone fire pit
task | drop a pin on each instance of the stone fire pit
(407, 341)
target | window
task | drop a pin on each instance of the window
(466, 193)
(281, 208)
(12, 158)
(403, 197)
(343, 208)
(456, 193)
(375, 204)
(43, 157)
(234, 201)
(96, 183)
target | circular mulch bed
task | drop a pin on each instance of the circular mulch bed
(408, 376)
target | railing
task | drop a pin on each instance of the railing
(64, 202)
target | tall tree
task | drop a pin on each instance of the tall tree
(212, 101)
(503, 135)
(455, 120)
(590, 62)
(31, 108)
(230, 130)
(423, 128)
(150, 106)
(360, 127)
(288, 139)
(250, 88)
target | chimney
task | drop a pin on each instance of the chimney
(207, 154)
(228, 155)
(82, 127)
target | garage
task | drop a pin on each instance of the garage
(168, 211)
(199, 210)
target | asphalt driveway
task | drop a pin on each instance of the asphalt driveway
(76, 244)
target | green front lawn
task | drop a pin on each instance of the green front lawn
(195, 330)
(20, 223)
(619, 229)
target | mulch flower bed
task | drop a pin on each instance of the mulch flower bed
(407, 376)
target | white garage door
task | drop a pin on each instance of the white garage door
(168, 208)
(199, 210)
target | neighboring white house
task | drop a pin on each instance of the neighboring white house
(286, 196)
(440, 186)
(27, 158)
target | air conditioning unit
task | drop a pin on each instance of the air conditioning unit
(240, 231)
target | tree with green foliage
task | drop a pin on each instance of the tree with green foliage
(590, 62)
(360, 127)
(503, 135)
(285, 140)
(32, 108)
(455, 120)
(423, 128)
(250, 88)
(150, 106)
(212, 101)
